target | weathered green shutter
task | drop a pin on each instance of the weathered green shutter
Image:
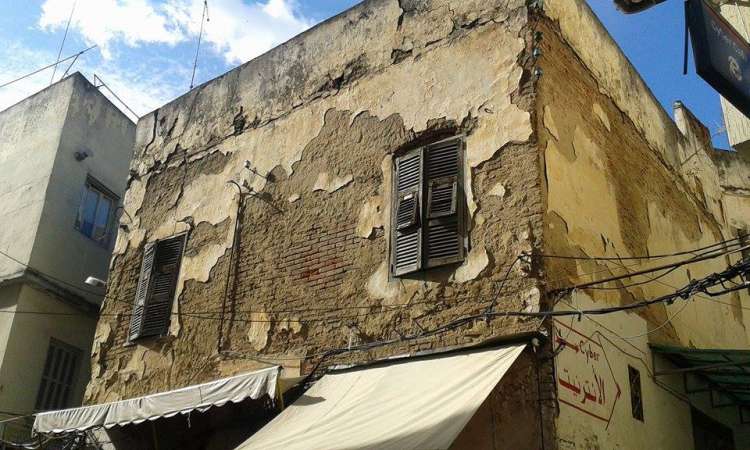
(407, 214)
(142, 291)
(156, 288)
(443, 230)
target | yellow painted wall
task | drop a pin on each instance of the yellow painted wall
(623, 179)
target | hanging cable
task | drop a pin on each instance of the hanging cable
(62, 44)
(734, 241)
(654, 269)
(204, 19)
(213, 315)
(231, 265)
(8, 83)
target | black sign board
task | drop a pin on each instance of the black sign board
(722, 56)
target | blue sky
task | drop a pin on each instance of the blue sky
(146, 47)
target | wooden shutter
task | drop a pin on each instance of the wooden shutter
(163, 285)
(142, 291)
(156, 288)
(406, 241)
(443, 230)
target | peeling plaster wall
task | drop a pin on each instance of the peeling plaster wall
(610, 193)
(319, 119)
(622, 179)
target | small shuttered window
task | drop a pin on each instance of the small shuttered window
(156, 288)
(59, 376)
(428, 222)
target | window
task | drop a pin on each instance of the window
(96, 211)
(156, 288)
(428, 223)
(58, 377)
(636, 400)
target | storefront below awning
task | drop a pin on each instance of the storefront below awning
(420, 403)
(165, 404)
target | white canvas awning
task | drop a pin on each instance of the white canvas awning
(413, 404)
(165, 404)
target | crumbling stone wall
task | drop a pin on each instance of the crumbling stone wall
(320, 118)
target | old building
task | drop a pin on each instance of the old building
(440, 179)
(64, 154)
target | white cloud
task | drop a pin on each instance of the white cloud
(144, 87)
(104, 22)
(145, 79)
(142, 91)
(18, 61)
(238, 30)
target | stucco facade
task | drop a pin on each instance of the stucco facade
(566, 153)
(623, 179)
(45, 258)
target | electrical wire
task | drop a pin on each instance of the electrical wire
(684, 293)
(62, 44)
(210, 315)
(741, 268)
(653, 279)
(48, 276)
(8, 83)
(737, 239)
(664, 324)
(204, 19)
(502, 283)
(704, 257)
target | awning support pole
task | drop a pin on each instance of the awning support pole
(279, 394)
(153, 434)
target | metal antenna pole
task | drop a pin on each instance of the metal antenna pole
(62, 44)
(204, 19)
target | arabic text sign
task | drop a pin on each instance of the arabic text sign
(584, 377)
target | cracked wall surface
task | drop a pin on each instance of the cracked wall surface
(622, 179)
(318, 121)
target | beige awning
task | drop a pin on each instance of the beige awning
(164, 404)
(414, 404)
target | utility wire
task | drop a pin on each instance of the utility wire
(8, 83)
(204, 19)
(741, 269)
(657, 256)
(213, 315)
(654, 269)
(694, 287)
(656, 278)
(62, 44)
(500, 291)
